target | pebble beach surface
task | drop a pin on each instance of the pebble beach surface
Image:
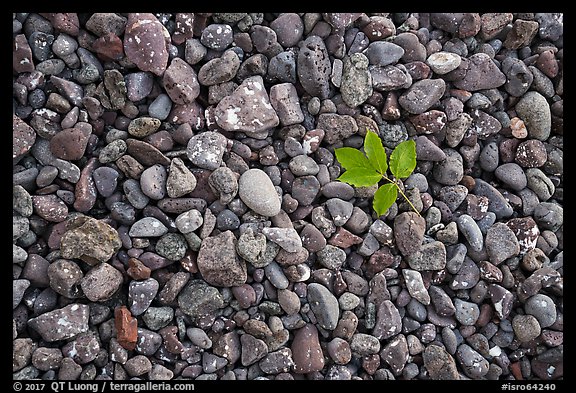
(176, 213)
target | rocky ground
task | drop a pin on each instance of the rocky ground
(176, 213)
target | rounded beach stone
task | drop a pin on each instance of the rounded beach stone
(258, 193)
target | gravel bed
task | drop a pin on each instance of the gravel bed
(177, 213)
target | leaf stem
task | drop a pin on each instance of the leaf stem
(401, 192)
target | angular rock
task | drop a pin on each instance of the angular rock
(89, 239)
(481, 74)
(181, 82)
(101, 282)
(181, 180)
(439, 363)
(206, 149)
(247, 109)
(501, 243)
(218, 262)
(422, 95)
(126, 328)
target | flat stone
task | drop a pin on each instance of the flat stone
(481, 74)
(148, 227)
(50, 207)
(218, 262)
(422, 95)
(63, 323)
(247, 109)
(287, 238)
(324, 305)
(431, 256)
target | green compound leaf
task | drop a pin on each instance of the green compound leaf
(384, 198)
(350, 158)
(403, 159)
(375, 152)
(360, 177)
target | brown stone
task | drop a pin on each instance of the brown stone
(137, 270)
(306, 351)
(126, 328)
(109, 47)
(145, 42)
(23, 137)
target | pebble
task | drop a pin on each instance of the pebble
(180, 180)
(50, 207)
(172, 246)
(475, 365)
(247, 109)
(542, 308)
(451, 170)
(148, 227)
(531, 154)
(218, 262)
(313, 67)
(415, 286)
(153, 182)
(101, 282)
(534, 110)
(340, 210)
(69, 144)
(383, 53)
(324, 305)
(287, 238)
(443, 62)
(431, 256)
(466, 313)
(258, 193)
(331, 257)
(482, 74)
(440, 364)
(50, 327)
(305, 189)
(160, 107)
(409, 230)
(422, 95)
(306, 351)
(284, 100)
(144, 43)
(388, 321)
(206, 149)
(89, 239)
(497, 203)
(501, 243)
(143, 126)
(512, 175)
(141, 294)
(105, 180)
(526, 327)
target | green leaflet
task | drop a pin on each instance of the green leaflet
(375, 152)
(384, 198)
(403, 159)
(360, 177)
(350, 158)
(367, 170)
